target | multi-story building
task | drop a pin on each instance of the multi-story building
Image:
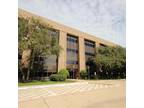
(77, 47)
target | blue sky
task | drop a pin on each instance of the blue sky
(103, 18)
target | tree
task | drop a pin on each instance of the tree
(34, 39)
(91, 67)
(110, 62)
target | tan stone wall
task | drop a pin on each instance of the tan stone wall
(97, 44)
(62, 56)
(82, 65)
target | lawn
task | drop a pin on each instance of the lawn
(43, 83)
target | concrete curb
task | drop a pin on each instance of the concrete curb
(52, 85)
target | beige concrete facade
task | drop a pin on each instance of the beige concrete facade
(62, 56)
(82, 65)
(64, 30)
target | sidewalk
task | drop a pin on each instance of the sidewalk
(52, 85)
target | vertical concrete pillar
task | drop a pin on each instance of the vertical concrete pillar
(97, 44)
(82, 65)
(62, 56)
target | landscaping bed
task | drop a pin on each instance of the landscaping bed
(43, 82)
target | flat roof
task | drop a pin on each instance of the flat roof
(64, 28)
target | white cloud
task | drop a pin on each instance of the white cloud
(104, 18)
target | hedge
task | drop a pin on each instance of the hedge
(83, 74)
(57, 77)
(64, 72)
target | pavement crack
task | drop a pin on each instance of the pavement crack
(45, 102)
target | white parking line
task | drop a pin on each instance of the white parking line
(85, 88)
(34, 93)
(96, 86)
(78, 89)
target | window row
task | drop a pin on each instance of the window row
(89, 44)
(72, 39)
(90, 54)
(72, 50)
(72, 62)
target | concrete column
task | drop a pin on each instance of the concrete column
(97, 46)
(82, 65)
(62, 56)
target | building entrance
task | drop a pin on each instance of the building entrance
(73, 73)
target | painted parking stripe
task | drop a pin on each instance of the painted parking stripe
(78, 89)
(47, 93)
(96, 86)
(85, 88)
(34, 93)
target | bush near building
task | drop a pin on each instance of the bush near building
(62, 75)
(64, 72)
(58, 77)
(83, 74)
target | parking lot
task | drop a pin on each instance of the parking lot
(89, 94)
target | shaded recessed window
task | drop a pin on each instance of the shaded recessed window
(72, 50)
(89, 49)
(45, 65)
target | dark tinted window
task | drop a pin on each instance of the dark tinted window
(89, 49)
(72, 51)
(46, 64)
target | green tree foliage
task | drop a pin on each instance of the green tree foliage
(83, 74)
(35, 36)
(111, 62)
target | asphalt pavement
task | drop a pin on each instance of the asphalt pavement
(89, 94)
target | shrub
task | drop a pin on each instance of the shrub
(83, 74)
(57, 77)
(64, 72)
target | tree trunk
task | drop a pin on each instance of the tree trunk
(28, 73)
(23, 77)
(30, 64)
(25, 62)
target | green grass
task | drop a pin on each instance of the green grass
(43, 83)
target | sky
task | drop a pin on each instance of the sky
(103, 18)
